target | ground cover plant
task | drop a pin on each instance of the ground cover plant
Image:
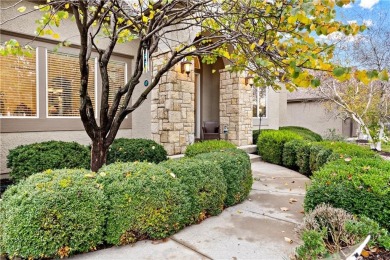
(26, 160)
(207, 146)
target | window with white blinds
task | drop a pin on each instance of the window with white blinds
(117, 77)
(18, 86)
(259, 102)
(63, 84)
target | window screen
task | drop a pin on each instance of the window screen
(117, 77)
(63, 86)
(18, 88)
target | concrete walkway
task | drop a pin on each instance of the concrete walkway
(255, 229)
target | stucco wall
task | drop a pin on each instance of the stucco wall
(11, 140)
(311, 115)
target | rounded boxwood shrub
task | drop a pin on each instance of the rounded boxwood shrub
(303, 159)
(204, 182)
(145, 201)
(26, 160)
(344, 150)
(207, 146)
(306, 134)
(131, 150)
(290, 150)
(270, 144)
(360, 186)
(236, 168)
(52, 214)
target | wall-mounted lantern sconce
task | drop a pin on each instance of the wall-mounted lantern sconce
(186, 67)
(249, 80)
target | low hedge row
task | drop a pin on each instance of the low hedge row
(26, 160)
(358, 185)
(305, 133)
(207, 146)
(58, 213)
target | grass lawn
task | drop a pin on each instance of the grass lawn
(386, 147)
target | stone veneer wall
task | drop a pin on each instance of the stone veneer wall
(173, 108)
(235, 107)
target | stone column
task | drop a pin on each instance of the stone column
(235, 108)
(173, 108)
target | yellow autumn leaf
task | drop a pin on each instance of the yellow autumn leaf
(67, 6)
(21, 9)
(56, 36)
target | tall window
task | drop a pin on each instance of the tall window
(259, 102)
(116, 76)
(18, 86)
(63, 84)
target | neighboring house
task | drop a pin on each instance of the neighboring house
(39, 95)
(306, 108)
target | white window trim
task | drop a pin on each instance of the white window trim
(36, 92)
(47, 90)
(266, 104)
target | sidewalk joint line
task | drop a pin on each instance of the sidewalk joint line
(285, 192)
(263, 214)
(186, 245)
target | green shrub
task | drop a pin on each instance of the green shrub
(146, 201)
(26, 160)
(131, 150)
(313, 245)
(306, 134)
(205, 184)
(236, 168)
(344, 150)
(318, 156)
(270, 144)
(303, 159)
(360, 186)
(52, 214)
(290, 150)
(207, 146)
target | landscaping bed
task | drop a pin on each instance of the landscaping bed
(59, 213)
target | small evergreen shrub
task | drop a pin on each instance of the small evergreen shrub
(313, 245)
(205, 184)
(236, 168)
(145, 201)
(131, 150)
(358, 185)
(207, 146)
(52, 215)
(318, 156)
(344, 150)
(290, 151)
(26, 160)
(303, 159)
(270, 144)
(306, 134)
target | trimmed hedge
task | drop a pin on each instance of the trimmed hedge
(207, 146)
(146, 201)
(131, 150)
(359, 185)
(306, 134)
(236, 168)
(270, 144)
(205, 184)
(52, 214)
(26, 160)
(290, 151)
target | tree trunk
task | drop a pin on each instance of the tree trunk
(98, 154)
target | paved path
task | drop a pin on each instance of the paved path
(254, 229)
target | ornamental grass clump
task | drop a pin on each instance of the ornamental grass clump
(146, 201)
(53, 214)
(205, 184)
(236, 168)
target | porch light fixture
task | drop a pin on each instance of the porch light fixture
(186, 67)
(249, 80)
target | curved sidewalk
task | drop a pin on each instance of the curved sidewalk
(258, 228)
